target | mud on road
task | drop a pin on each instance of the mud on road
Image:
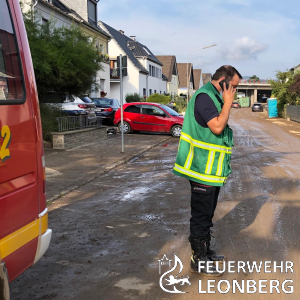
(109, 235)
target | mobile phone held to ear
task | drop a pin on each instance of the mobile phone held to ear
(222, 83)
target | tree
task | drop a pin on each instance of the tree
(65, 59)
(254, 77)
(284, 90)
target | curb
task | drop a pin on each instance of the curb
(106, 170)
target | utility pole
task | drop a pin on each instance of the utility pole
(187, 71)
(121, 102)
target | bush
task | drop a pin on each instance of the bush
(180, 103)
(157, 98)
(48, 118)
(135, 97)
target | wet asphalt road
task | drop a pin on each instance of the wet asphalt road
(109, 235)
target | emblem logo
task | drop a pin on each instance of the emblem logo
(171, 279)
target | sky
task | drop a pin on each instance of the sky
(257, 37)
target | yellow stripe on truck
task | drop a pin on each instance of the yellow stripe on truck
(24, 235)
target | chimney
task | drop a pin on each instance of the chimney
(133, 37)
(121, 31)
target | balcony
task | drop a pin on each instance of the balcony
(114, 75)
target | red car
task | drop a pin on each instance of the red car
(235, 104)
(144, 116)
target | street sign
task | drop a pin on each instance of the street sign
(124, 62)
(124, 66)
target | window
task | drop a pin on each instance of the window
(144, 92)
(169, 110)
(146, 50)
(150, 92)
(153, 71)
(136, 109)
(44, 21)
(103, 101)
(152, 110)
(154, 91)
(11, 77)
(92, 11)
(160, 92)
(150, 70)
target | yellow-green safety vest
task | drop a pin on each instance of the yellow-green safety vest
(203, 156)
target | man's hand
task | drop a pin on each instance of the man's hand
(228, 94)
(217, 124)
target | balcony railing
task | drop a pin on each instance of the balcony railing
(256, 81)
(114, 74)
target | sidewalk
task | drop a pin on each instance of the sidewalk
(66, 170)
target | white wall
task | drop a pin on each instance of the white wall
(115, 90)
(105, 76)
(143, 84)
(173, 85)
(154, 83)
(131, 81)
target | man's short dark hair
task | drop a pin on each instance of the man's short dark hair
(226, 71)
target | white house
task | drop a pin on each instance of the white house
(144, 70)
(79, 12)
(170, 71)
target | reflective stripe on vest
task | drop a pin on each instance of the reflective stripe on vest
(208, 178)
(190, 157)
(220, 164)
(203, 145)
(210, 161)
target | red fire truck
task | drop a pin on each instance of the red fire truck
(24, 233)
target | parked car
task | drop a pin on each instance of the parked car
(106, 108)
(88, 105)
(257, 107)
(65, 103)
(144, 116)
(235, 104)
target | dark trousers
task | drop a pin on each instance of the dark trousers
(203, 204)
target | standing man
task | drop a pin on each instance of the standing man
(203, 158)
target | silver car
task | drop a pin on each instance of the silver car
(257, 107)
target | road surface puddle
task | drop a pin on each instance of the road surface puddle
(133, 283)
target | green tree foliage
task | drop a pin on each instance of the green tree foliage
(180, 103)
(282, 90)
(134, 97)
(65, 59)
(254, 77)
(157, 98)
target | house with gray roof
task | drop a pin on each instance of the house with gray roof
(186, 75)
(169, 69)
(206, 77)
(144, 70)
(198, 79)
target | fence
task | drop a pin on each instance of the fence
(293, 111)
(78, 122)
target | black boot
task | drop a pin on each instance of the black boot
(199, 249)
(211, 254)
